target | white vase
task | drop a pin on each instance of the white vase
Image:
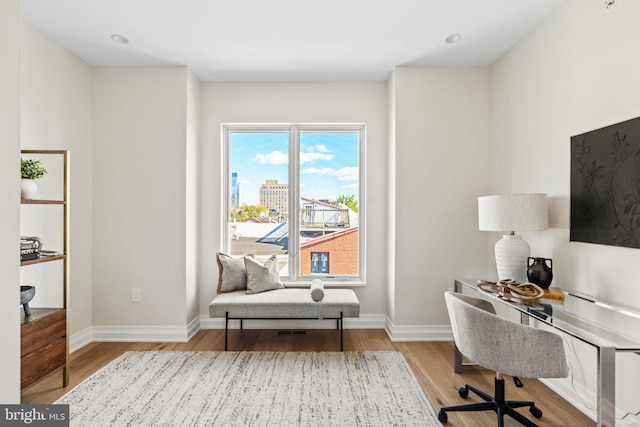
(28, 188)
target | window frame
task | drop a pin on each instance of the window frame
(294, 130)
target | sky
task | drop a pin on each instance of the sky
(328, 163)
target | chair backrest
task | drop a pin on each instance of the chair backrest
(502, 345)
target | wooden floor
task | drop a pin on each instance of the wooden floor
(431, 362)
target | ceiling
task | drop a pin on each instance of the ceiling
(287, 40)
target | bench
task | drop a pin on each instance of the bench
(287, 303)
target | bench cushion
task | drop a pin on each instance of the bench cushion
(286, 303)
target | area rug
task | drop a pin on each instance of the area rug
(182, 388)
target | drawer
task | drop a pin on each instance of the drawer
(42, 362)
(42, 332)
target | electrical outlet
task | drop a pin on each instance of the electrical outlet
(136, 295)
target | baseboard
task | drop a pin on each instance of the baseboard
(80, 339)
(141, 333)
(397, 333)
(571, 392)
(407, 333)
(193, 327)
(365, 321)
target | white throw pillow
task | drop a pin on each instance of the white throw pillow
(261, 278)
(232, 275)
(317, 290)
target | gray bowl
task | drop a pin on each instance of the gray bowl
(26, 294)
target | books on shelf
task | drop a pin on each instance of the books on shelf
(553, 293)
(29, 256)
(29, 248)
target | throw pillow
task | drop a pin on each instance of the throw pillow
(317, 290)
(232, 275)
(261, 278)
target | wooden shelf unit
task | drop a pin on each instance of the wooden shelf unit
(42, 202)
(44, 334)
(42, 259)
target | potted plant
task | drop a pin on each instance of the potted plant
(30, 171)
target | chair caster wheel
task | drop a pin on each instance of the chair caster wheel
(442, 416)
(463, 392)
(535, 411)
(517, 382)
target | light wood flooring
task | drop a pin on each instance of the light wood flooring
(431, 362)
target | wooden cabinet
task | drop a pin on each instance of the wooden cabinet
(44, 334)
(43, 344)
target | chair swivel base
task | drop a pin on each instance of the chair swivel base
(497, 404)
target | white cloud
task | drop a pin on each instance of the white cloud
(350, 186)
(323, 171)
(280, 158)
(347, 174)
(312, 157)
(322, 148)
(273, 158)
(344, 174)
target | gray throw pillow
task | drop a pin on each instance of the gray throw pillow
(317, 290)
(232, 275)
(262, 278)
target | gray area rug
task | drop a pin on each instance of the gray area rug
(182, 388)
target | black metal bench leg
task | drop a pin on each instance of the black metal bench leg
(341, 331)
(226, 329)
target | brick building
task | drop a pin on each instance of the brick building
(339, 248)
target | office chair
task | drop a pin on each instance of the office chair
(503, 346)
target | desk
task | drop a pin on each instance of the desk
(586, 319)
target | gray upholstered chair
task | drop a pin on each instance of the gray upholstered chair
(503, 346)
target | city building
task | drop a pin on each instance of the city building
(275, 197)
(235, 191)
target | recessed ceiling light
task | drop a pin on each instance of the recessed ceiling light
(453, 38)
(119, 38)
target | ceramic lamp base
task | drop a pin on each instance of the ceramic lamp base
(511, 258)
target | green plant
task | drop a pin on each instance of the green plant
(31, 169)
(350, 201)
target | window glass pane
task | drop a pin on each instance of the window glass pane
(259, 195)
(329, 194)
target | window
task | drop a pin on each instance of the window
(297, 192)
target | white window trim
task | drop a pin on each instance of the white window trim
(294, 195)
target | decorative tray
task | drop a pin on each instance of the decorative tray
(510, 290)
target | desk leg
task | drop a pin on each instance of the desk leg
(457, 287)
(457, 360)
(606, 387)
(457, 356)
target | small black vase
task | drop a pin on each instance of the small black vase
(539, 272)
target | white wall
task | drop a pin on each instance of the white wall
(391, 199)
(440, 143)
(140, 201)
(56, 115)
(10, 20)
(578, 71)
(192, 187)
(295, 103)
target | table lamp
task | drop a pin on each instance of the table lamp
(511, 213)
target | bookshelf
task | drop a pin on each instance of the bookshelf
(44, 333)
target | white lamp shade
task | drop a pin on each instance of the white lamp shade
(513, 212)
(510, 213)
